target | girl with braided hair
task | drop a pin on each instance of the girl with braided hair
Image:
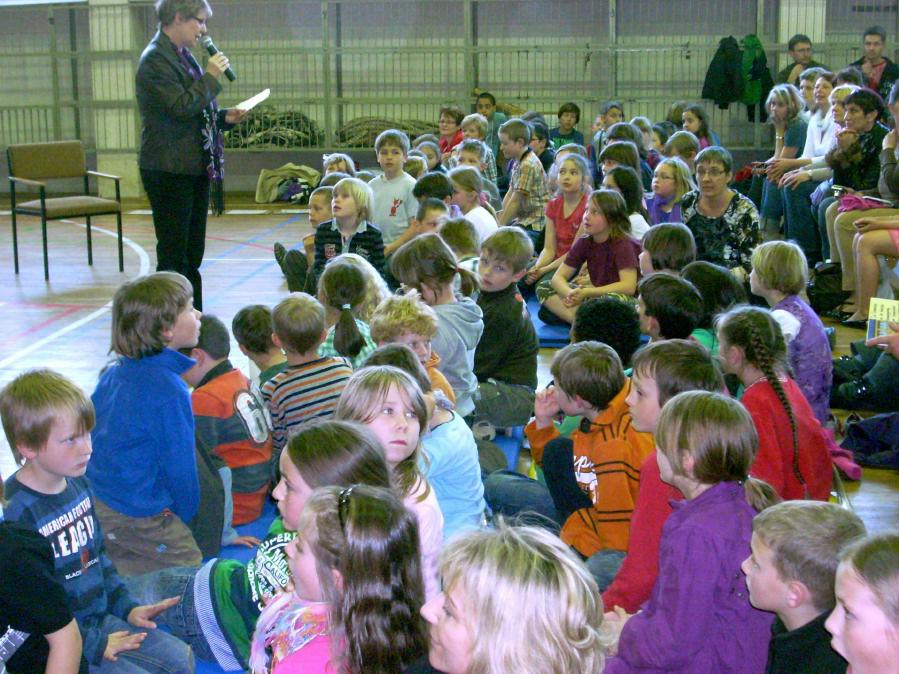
(793, 456)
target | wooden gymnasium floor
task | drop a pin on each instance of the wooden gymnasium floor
(64, 323)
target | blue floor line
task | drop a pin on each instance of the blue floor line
(237, 247)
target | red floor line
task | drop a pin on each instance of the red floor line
(239, 242)
(43, 324)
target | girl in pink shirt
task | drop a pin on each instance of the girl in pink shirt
(356, 577)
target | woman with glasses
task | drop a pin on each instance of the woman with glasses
(724, 223)
(181, 148)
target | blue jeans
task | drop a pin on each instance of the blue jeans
(159, 652)
(604, 565)
(181, 618)
(517, 497)
(800, 222)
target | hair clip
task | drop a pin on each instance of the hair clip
(343, 505)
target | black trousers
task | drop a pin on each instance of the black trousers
(180, 204)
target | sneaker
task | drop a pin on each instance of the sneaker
(295, 269)
(847, 368)
(483, 430)
(852, 395)
(280, 253)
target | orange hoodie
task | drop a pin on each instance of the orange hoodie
(438, 381)
(607, 467)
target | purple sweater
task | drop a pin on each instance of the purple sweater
(810, 356)
(698, 618)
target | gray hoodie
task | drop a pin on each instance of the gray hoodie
(459, 327)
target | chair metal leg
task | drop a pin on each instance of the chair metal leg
(90, 248)
(15, 242)
(44, 236)
(121, 253)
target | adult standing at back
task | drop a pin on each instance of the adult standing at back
(181, 149)
(877, 68)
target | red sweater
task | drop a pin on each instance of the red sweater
(774, 462)
(634, 581)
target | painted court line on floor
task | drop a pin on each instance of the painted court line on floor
(84, 320)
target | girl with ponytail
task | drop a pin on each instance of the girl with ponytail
(345, 290)
(793, 456)
(698, 617)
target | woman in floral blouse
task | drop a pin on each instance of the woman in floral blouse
(724, 223)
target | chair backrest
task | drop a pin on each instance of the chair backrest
(40, 161)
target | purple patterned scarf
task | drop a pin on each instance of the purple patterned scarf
(213, 140)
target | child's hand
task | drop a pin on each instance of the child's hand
(546, 407)
(846, 138)
(141, 616)
(614, 622)
(117, 642)
(575, 297)
(246, 541)
(534, 273)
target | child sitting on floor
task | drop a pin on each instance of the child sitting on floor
(669, 247)
(462, 238)
(311, 384)
(252, 329)
(608, 251)
(143, 470)
(661, 371)
(791, 572)
(295, 263)
(706, 443)
(427, 265)
(669, 306)
(779, 274)
(357, 588)
(865, 622)
(342, 291)
(793, 456)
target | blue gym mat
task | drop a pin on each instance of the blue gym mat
(550, 336)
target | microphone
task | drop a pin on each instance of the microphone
(213, 50)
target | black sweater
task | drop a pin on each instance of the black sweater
(508, 348)
(805, 650)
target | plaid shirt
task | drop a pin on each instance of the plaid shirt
(529, 180)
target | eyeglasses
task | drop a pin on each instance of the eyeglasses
(659, 176)
(712, 173)
(343, 506)
(200, 21)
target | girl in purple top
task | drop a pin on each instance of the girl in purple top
(779, 274)
(670, 181)
(698, 617)
(609, 253)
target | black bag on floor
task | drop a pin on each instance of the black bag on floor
(825, 291)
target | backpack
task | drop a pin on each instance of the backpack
(825, 291)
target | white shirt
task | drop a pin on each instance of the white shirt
(483, 222)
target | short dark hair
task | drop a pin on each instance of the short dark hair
(849, 75)
(167, 10)
(486, 94)
(590, 370)
(433, 184)
(879, 31)
(609, 320)
(719, 288)
(675, 303)
(252, 328)
(678, 365)
(570, 107)
(539, 131)
(453, 111)
(214, 337)
(516, 129)
(144, 308)
(631, 187)
(867, 99)
(670, 246)
(429, 204)
(798, 38)
(609, 105)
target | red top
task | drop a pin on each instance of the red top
(774, 462)
(565, 228)
(634, 581)
(447, 145)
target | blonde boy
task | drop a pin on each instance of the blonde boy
(474, 127)
(791, 572)
(505, 360)
(525, 202)
(473, 152)
(310, 385)
(47, 420)
(405, 319)
(393, 205)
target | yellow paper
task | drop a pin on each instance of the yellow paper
(880, 313)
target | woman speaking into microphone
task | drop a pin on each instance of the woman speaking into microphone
(181, 148)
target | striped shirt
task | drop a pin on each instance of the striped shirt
(304, 392)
